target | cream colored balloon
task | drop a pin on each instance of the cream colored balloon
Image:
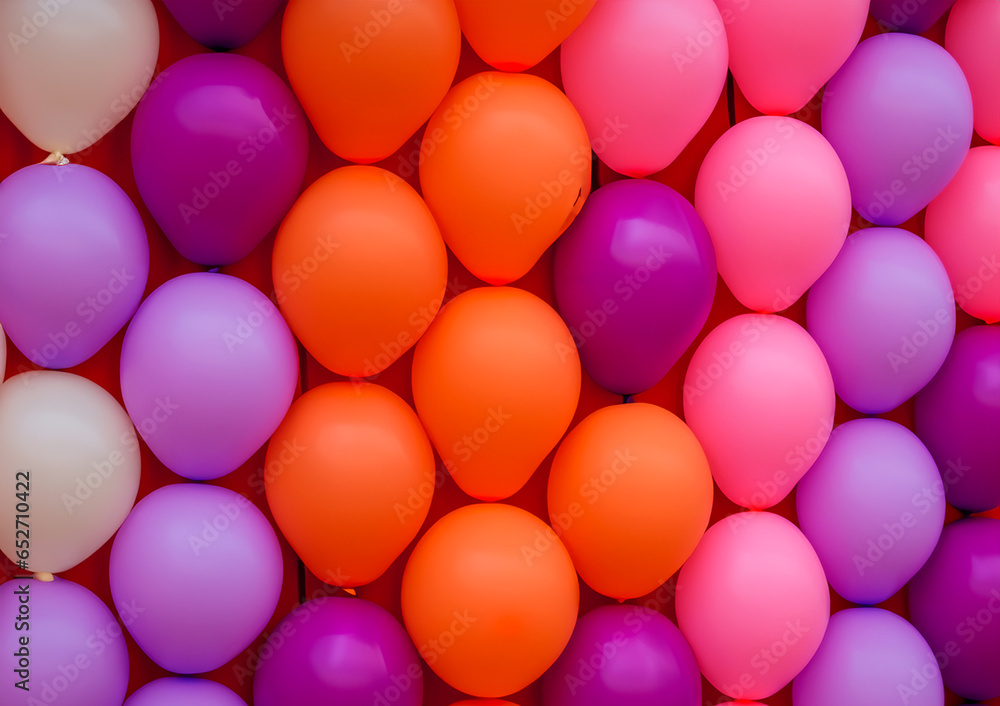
(3, 353)
(69, 468)
(70, 70)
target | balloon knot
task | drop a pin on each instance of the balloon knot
(349, 590)
(44, 576)
(56, 158)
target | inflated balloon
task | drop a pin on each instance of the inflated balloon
(3, 353)
(635, 279)
(872, 506)
(490, 598)
(70, 457)
(630, 495)
(73, 265)
(913, 16)
(369, 72)
(753, 603)
(870, 657)
(777, 204)
(71, 71)
(171, 691)
(505, 168)
(496, 381)
(645, 75)
(61, 643)
(963, 226)
(223, 25)
(219, 152)
(955, 601)
(899, 114)
(359, 269)
(884, 316)
(208, 370)
(970, 37)
(339, 651)
(177, 557)
(484, 702)
(957, 415)
(759, 397)
(624, 655)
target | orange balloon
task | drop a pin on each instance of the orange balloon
(349, 476)
(370, 72)
(484, 702)
(505, 168)
(490, 598)
(359, 269)
(496, 381)
(630, 494)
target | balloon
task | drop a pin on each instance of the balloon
(645, 75)
(73, 649)
(872, 507)
(73, 265)
(957, 415)
(359, 269)
(208, 370)
(505, 168)
(204, 568)
(913, 16)
(759, 397)
(899, 114)
(970, 37)
(484, 702)
(369, 72)
(70, 457)
(223, 25)
(171, 691)
(954, 602)
(624, 655)
(349, 478)
(3, 353)
(884, 316)
(777, 204)
(635, 279)
(630, 495)
(870, 657)
(753, 603)
(496, 584)
(782, 52)
(496, 381)
(219, 152)
(963, 226)
(71, 71)
(339, 651)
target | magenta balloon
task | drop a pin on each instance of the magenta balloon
(184, 691)
(73, 262)
(899, 114)
(912, 16)
(208, 370)
(219, 149)
(222, 24)
(635, 277)
(884, 316)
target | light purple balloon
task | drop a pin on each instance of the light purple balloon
(200, 568)
(884, 316)
(222, 24)
(873, 507)
(75, 651)
(184, 691)
(208, 370)
(73, 262)
(899, 115)
(912, 16)
(870, 657)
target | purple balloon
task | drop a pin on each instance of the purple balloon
(873, 507)
(884, 317)
(208, 370)
(71, 647)
(200, 569)
(73, 262)
(899, 115)
(955, 603)
(870, 657)
(184, 691)
(912, 16)
(624, 655)
(344, 651)
(635, 276)
(958, 414)
(219, 149)
(222, 24)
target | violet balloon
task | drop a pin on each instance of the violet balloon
(171, 691)
(223, 25)
(635, 278)
(219, 149)
(912, 16)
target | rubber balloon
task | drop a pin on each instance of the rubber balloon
(223, 25)
(970, 37)
(3, 353)
(170, 691)
(913, 16)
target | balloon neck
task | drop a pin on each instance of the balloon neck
(349, 590)
(214, 270)
(44, 576)
(56, 158)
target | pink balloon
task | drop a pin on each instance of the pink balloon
(645, 75)
(783, 51)
(753, 603)
(759, 396)
(972, 38)
(777, 203)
